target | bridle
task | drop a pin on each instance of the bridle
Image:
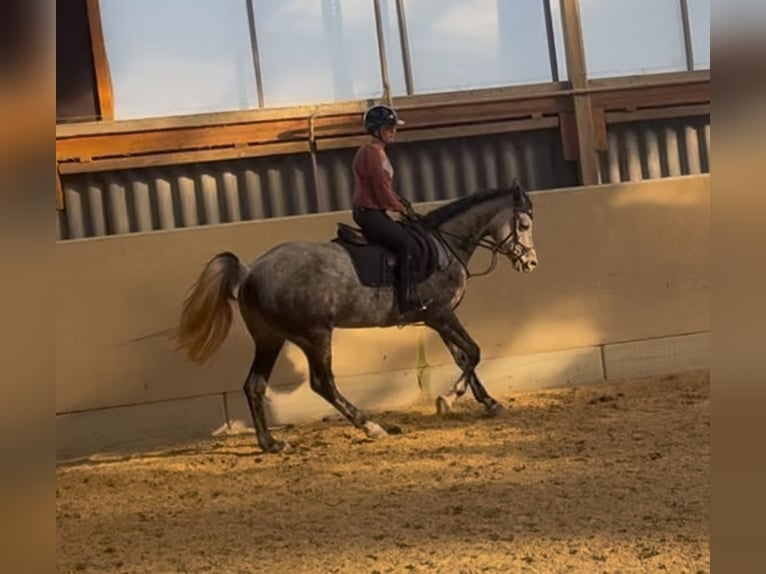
(514, 252)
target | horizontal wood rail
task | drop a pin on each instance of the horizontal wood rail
(212, 137)
(183, 157)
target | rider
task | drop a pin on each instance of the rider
(377, 208)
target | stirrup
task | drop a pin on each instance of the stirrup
(422, 305)
(404, 318)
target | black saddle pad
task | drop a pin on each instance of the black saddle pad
(376, 265)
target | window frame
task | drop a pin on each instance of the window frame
(125, 144)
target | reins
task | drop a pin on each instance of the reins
(491, 246)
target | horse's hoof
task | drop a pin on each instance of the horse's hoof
(495, 409)
(278, 446)
(443, 406)
(374, 430)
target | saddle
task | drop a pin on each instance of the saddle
(376, 265)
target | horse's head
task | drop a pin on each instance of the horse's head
(511, 230)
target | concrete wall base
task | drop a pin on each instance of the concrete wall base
(657, 356)
(170, 423)
(138, 427)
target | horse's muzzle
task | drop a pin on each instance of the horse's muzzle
(526, 263)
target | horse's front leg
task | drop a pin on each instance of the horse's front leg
(467, 356)
(459, 387)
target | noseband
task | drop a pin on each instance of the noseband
(516, 250)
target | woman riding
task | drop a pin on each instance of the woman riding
(377, 209)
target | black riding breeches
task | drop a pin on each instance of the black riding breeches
(379, 228)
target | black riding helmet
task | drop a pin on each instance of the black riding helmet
(378, 116)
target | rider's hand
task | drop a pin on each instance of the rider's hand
(395, 215)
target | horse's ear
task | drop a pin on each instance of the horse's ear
(518, 192)
(521, 200)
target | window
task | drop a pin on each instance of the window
(463, 44)
(314, 51)
(624, 37)
(699, 21)
(558, 37)
(178, 56)
(174, 57)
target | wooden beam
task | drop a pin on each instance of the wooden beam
(178, 158)
(568, 130)
(599, 129)
(447, 132)
(683, 98)
(586, 141)
(575, 55)
(102, 146)
(658, 114)
(168, 140)
(59, 190)
(206, 120)
(502, 127)
(100, 62)
(636, 81)
(653, 97)
(233, 153)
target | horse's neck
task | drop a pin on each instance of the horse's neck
(465, 230)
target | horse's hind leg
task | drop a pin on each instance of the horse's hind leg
(266, 353)
(318, 350)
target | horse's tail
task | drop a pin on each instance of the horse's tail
(207, 312)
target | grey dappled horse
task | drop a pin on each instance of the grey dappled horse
(300, 292)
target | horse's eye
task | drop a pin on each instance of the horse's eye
(523, 226)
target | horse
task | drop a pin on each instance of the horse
(302, 291)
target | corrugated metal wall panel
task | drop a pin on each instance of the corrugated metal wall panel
(658, 148)
(130, 201)
(201, 194)
(450, 168)
(112, 203)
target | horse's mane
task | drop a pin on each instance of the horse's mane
(454, 208)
